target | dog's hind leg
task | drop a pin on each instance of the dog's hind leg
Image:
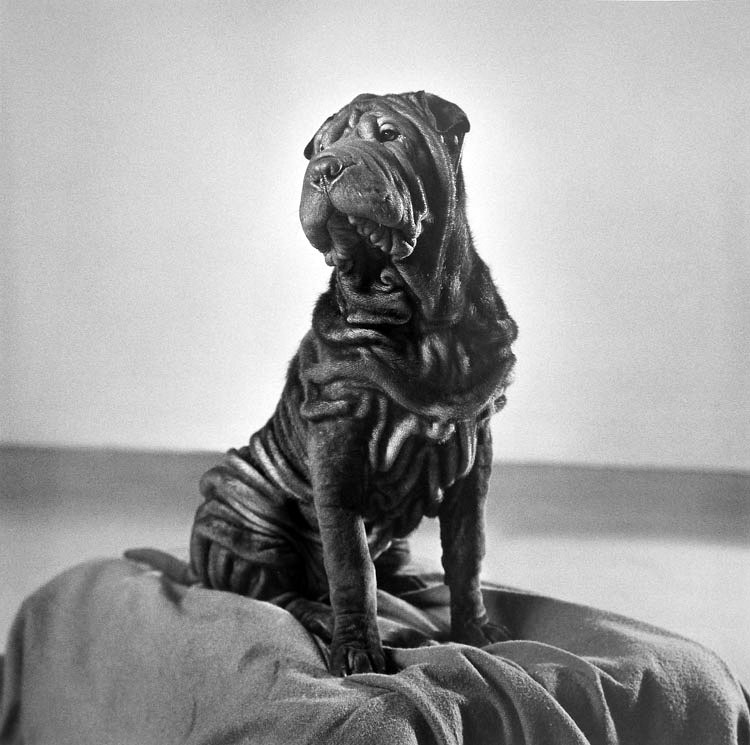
(260, 555)
(228, 553)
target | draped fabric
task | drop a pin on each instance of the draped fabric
(112, 653)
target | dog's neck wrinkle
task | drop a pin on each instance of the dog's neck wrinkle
(466, 302)
(465, 364)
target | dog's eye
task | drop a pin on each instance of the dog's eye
(388, 134)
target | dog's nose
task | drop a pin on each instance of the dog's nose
(325, 168)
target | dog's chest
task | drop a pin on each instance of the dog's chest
(413, 460)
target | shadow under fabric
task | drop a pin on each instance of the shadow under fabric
(112, 652)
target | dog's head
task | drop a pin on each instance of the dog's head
(382, 198)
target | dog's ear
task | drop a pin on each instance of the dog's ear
(450, 121)
(309, 148)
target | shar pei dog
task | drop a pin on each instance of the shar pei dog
(384, 418)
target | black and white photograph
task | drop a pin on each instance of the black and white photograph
(375, 373)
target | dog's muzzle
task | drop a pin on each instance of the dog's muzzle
(362, 190)
(358, 209)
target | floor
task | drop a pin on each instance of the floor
(670, 548)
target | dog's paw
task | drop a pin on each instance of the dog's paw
(356, 648)
(350, 660)
(480, 633)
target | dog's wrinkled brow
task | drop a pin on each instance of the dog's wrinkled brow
(360, 118)
(354, 116)
(367, 126)
(332, 130)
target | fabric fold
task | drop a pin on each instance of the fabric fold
(111, 652)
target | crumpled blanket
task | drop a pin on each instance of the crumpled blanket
(112, 652)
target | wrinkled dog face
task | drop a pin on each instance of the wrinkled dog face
(374, 168)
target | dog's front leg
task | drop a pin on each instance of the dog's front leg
(338, 458)
(462, 537)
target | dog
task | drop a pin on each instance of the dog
(384, 417)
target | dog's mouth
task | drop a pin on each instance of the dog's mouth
(363, 253)
(365, 210)
(359, 243)
(389, 241)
